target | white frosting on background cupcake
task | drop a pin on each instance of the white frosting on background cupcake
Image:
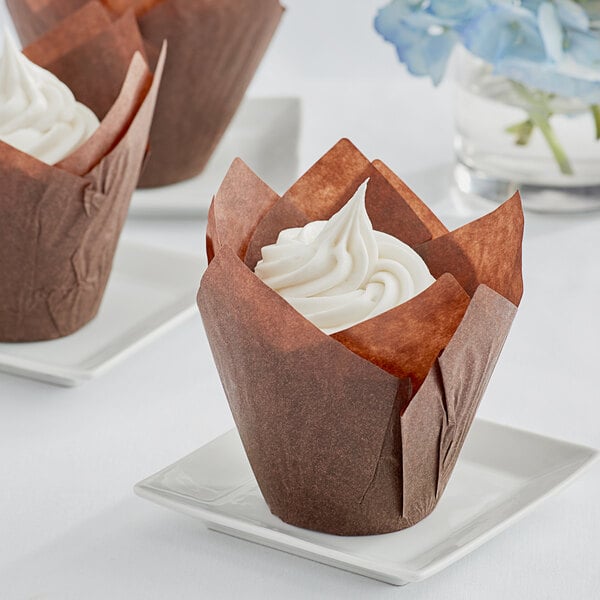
(38, 113)
(341, 272)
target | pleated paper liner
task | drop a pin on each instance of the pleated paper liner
(356, 433)
(215, 47)
(87, 48)
(60, 224)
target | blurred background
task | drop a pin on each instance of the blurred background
(352, 85)
(72, 509)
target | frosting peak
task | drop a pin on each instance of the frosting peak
(38, 113)
(341, 272)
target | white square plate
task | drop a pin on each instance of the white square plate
(501, 474)
(264, 134)
(150, 291)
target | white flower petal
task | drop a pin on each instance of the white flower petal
(551, 31)
(573, 15)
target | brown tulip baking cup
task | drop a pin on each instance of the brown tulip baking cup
(215, 47)
(88, 47)
(60, 224)
(356, 433)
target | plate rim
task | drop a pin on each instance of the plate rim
(401, 575)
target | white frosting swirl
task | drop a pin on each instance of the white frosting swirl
(38, 113)
(341, 272)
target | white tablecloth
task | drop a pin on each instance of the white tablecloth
(70, 526)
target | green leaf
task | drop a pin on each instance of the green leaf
(522, 132)
(595, 108)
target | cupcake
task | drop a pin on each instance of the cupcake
(66, 185)
(214, 49)
(354, 336)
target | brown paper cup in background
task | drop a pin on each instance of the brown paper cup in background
(356, 433)
(33, 18)
(60, 224)
(90, 53)
(215, 47)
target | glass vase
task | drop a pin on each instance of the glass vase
(510, 136)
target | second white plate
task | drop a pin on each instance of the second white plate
(502, 473)
(264, 134)
(150, 290)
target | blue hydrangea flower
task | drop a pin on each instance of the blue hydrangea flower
(456, 12)
(424, 32)
(545, 77)
(584, 48)
(572, 15)
(422, 53)
(548, 44)
(504, 31)
(551, 30)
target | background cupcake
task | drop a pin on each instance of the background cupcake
(66, 186)
(214, 49)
